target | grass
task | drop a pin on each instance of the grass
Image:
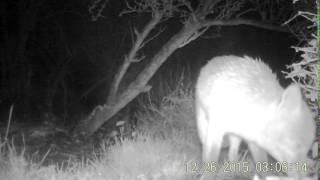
(166, 142)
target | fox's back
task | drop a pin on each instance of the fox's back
(240, 90)
(252, 78)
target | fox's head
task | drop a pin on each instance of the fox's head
(293, 129)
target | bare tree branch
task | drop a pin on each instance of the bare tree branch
(131, 57)
(151, 38)
(253, 23)
(96, 8)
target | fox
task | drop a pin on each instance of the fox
(241, 99)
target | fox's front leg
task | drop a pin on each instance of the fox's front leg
(258, 154)
(213, 142)
(234, 146)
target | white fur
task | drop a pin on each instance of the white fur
(242, 98)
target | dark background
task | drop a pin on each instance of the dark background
(52, 51)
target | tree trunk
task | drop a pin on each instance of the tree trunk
(101, 114)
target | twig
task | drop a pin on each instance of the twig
(9, 122)
(45, 156)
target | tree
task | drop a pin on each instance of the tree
(196, 18)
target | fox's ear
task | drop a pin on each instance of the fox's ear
(291, 98)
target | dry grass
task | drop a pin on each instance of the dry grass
(166, 142)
